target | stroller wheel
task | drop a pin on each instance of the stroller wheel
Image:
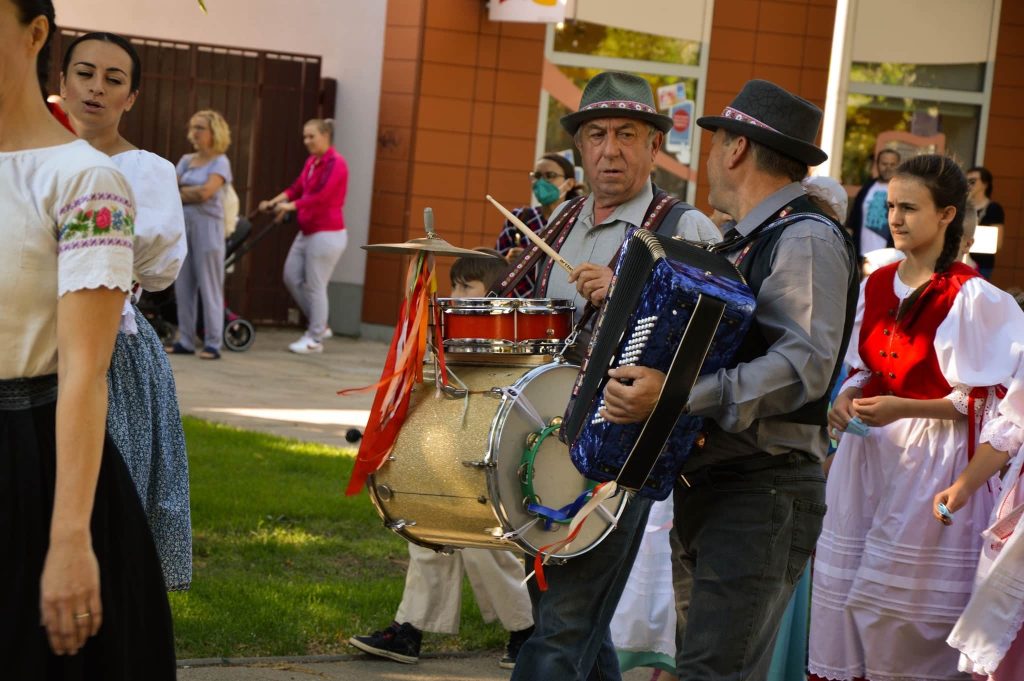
(239, 335)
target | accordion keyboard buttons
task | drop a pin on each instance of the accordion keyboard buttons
(630, 354)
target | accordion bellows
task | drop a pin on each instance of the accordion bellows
(672, 306)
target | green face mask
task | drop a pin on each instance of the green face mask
(545, 192)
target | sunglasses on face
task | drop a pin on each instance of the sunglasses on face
(550, 175)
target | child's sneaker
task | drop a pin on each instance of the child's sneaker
(516, 639)
(399, 642)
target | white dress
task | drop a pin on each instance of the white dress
(987, 633)
(644, 627)
(889, 580)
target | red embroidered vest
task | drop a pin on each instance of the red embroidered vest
(897, 346)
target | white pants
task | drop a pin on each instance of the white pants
(432, 599)
(307, 271)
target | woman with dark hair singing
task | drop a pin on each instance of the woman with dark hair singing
(83, 596)
(933, 346)
(100, 77)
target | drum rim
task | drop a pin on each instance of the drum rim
(533, 346)
(499, 505)
(485, 302)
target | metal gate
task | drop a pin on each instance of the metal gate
(265, 98)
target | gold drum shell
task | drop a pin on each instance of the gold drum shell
(453, 483)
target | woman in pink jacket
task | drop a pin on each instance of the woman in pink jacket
(317, 197)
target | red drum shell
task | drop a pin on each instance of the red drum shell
(478, 319)
(504, 325)
(543, 323)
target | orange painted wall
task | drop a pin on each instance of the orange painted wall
(1004, 146)
(458, 120)
(788, 43)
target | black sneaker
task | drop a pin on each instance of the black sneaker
(400, 643)
(516, 639)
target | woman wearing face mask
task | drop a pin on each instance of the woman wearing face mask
(82, 596)
(554, 181)
(201, 176)
(317, 197)
(99, 83)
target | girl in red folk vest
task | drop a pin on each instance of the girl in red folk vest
(933, 346)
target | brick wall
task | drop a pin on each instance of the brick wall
(788, 43)
(458, 120)
(1004, 147)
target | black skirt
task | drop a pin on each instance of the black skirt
(136, 640)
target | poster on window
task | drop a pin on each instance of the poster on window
(536, 11)
(671, 95)
(682, 123)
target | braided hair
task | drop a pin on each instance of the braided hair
(947, 185)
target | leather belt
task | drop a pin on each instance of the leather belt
(752, 464)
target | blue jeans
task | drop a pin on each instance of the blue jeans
(571, 640)
(740, 542)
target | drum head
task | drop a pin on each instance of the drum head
(543, 395)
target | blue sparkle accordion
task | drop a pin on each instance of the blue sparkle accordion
(672, 306)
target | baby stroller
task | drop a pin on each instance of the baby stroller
(239, 333)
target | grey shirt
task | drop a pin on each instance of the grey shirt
(599, 243)
(801, 308)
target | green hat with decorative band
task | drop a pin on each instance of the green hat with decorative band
(613, 94)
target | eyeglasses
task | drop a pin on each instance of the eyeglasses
(550, 175)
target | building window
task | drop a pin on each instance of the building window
(580, 50)
(579, 37)
(965, 77)
(867, 116)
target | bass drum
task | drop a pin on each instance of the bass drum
(464, 469)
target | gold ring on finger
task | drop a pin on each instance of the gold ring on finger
(82, 615)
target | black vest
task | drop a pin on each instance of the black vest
(756, 267)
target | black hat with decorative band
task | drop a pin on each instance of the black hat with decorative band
(613, 94)
(779, 120)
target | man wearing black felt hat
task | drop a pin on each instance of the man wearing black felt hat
(750, 500)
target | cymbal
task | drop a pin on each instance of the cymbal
(430, 244)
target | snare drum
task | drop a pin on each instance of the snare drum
(450, 485)
(504, 325)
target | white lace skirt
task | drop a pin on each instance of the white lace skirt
(890, 580)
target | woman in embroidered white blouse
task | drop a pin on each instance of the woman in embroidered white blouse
(78, 557)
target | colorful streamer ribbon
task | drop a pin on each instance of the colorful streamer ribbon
(403, 368)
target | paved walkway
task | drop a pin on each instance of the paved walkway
(271, 390)
(365, 668)
(275, 391)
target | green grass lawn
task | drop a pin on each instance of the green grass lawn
(285, 563)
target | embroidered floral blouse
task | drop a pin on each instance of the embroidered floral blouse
(68, 225)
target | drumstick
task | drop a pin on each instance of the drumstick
(540, 243)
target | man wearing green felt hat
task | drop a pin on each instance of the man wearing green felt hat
(618, 133)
